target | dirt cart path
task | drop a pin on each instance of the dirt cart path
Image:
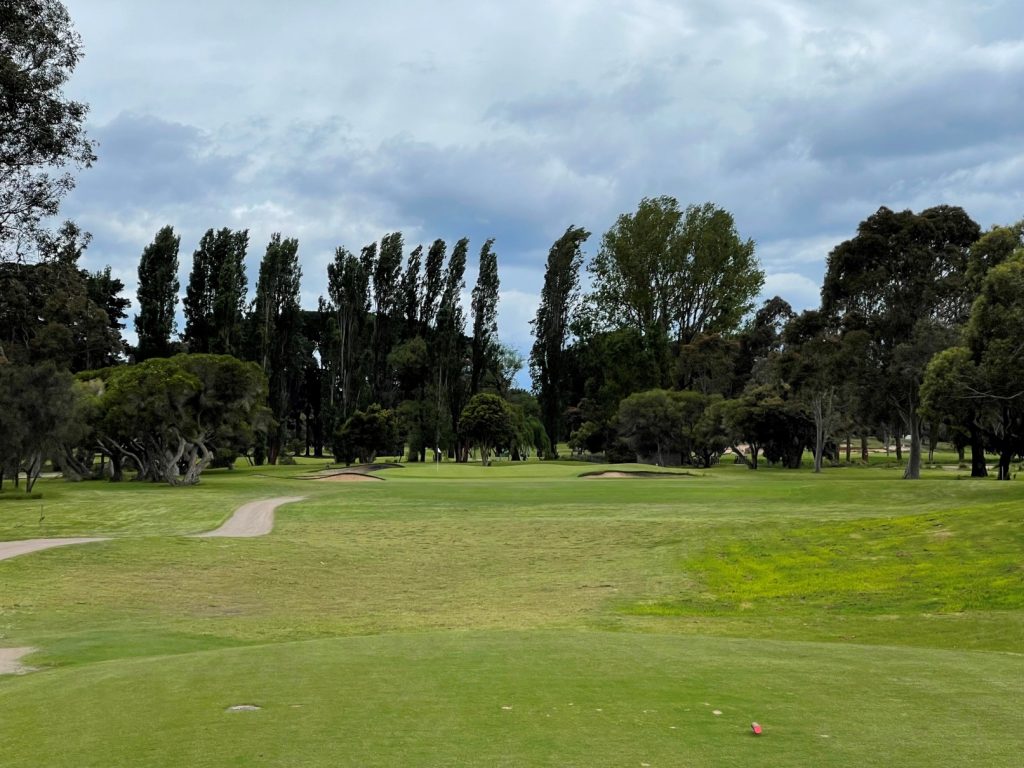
(253, 519)
(15, 548)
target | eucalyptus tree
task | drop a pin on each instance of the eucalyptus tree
(674, 274)
(42, 131)
(48, 311)
(901, 279)
(983, 377)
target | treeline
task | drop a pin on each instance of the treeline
(664, 359)
(918, 333)
(387, 362)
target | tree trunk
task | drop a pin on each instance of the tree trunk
(933, 442)
(1005, 457)
(819, 430)
(865, 455)
(741, 458)
(978, 466)
(35, 466)
(913, 471)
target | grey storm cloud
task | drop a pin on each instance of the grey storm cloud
(337, 123)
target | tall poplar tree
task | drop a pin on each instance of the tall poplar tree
(348, 285)
(410, 292)
(485, 317)
(386, 311)
(450, 338)
(433, 282)
(276, 340)
(158, 295)
(215, 295)
(558, 301)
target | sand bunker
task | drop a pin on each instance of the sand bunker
(15, 548)
(350, 477)
(10, 661)
(623, 475)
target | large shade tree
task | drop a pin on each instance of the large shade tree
(674, 274)
(902, 280)
(42, 134)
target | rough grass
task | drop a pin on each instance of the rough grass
(402, 616)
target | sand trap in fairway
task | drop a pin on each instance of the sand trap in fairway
(15, 548)
(350, 477)
(253, 519)
(10, 661)
(620, 475)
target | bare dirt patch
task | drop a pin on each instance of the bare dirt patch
(15, 548)
(10, 661)
(253, 519)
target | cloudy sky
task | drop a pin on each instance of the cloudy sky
(337, 122)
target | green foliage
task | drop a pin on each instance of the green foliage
(365, 435)
(276, 341)
(675, 273)
(215, 295)
(158, 295)
(559, 301)
(47, 310)
(41, 413)
(348, 285)
(42, 132)
(901, 278)
(487, 421)
(172, 417)
(483, 349)
(980, 383)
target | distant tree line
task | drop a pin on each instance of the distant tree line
(665, 359)
(918, 333)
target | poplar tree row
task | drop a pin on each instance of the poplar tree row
(391, 333)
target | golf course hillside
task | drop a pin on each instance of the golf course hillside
(520, 614)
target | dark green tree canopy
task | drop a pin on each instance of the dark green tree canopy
(216, 291)
(158, 295)
(41, 131)
(486, 422)
(485, 316)
(675, 273)
(559, 301)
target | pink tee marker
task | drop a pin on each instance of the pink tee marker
(756, 728)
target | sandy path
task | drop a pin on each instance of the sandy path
(10, 660)
(253, 519)
(15, 548)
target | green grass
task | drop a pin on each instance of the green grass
(402, 616)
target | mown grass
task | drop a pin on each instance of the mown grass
(401, 616)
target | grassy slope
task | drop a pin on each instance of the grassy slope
(447, 590)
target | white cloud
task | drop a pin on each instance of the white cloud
(339, 122)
